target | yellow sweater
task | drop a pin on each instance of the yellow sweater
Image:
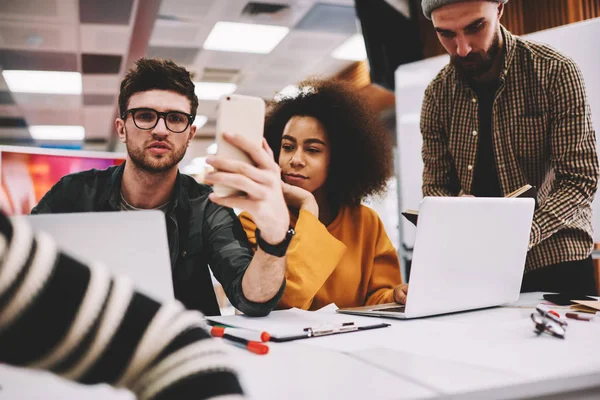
(350, 263)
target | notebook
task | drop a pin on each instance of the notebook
(293, 324)
(590, 307)
(526, 191)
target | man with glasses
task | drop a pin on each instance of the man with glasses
(157, 106)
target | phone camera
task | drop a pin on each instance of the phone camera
(228, 98)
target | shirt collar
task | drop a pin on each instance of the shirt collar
(113, 194)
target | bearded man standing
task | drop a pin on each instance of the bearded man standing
(506, 112)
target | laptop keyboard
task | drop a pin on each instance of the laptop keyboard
(392, 309)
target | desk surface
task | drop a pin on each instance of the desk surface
(489, 353)
(485, 353)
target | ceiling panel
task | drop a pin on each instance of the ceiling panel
(100, 64)
(101, 84)
(179, 55)
(227, 60)
(289, 16)
(59, 102)
(330, 18)
(57, 11)
(40, 61)
(104, 39)
(300, 44)
(98, 99)
(38, 36)
(179, 34)
(50, 116)
(114, 12)
(187, 9)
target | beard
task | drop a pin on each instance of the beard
(477, 63)
(154, 163)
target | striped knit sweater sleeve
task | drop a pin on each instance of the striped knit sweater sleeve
(83, 324)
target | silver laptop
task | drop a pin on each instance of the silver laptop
(132, 243)
(469, 253)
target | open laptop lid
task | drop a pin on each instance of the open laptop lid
(469, 253)
(132, 243)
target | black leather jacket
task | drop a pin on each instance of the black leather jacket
(200, 234)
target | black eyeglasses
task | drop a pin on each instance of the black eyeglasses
(147, 118)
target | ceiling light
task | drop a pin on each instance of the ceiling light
(57, 132)
(352, 49)
(213, 90)
(54, 82)
(244, 38)
(200, 120)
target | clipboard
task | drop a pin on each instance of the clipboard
(295, 324)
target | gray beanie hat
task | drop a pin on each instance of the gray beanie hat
(430, 5)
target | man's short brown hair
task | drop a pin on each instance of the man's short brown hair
(157, 74)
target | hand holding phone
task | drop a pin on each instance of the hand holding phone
(243, 116)
(246, 175)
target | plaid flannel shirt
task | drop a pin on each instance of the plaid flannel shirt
(542, 135)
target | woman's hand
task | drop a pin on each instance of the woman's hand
(300, 199)
(400, 293)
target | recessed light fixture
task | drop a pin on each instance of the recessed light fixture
(54, 82)
(353, 49)
(213, 90)
(57, 132)
(244, 38)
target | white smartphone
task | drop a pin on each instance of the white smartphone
(240, 115)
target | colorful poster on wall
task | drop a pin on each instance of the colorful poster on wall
(26, 177)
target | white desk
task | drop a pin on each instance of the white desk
(490, 353)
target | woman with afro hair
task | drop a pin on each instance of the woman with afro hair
(333, 153)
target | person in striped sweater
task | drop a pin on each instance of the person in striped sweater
(83, 324)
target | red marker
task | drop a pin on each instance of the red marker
(578, 316)
(254, 347)
(219, 331)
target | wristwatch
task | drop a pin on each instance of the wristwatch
(277, 250)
